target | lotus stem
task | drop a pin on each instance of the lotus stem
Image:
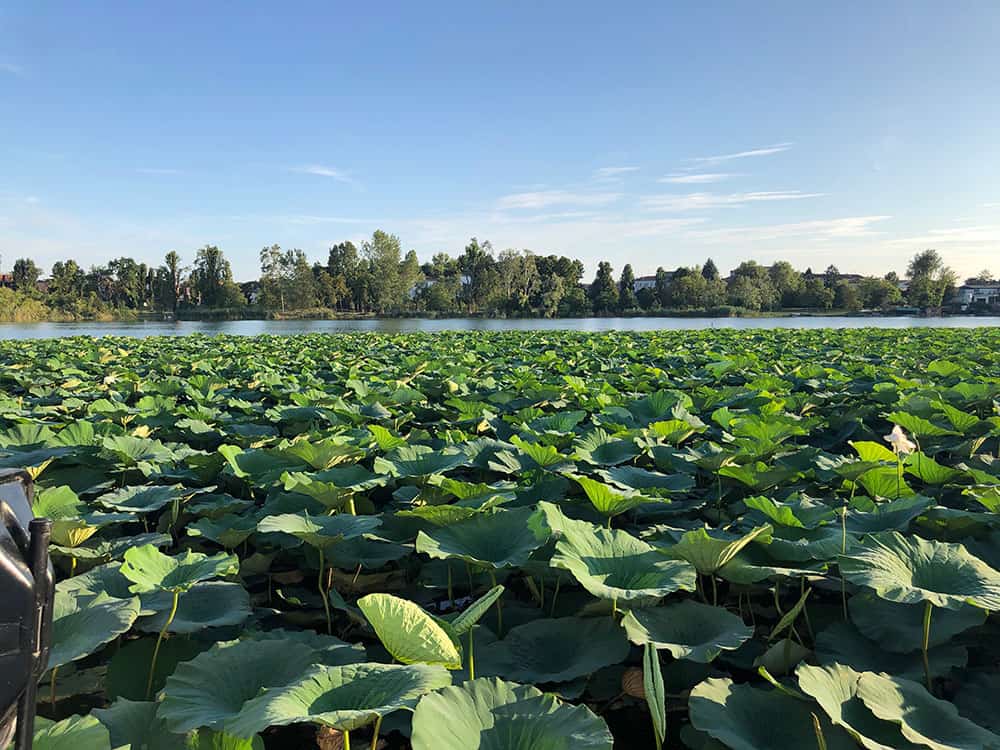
(715, 591)
(322, 593)
(159, 640)
(555, 596)
(52, 686)
(928, 608)
(472, 657)
(843, 551)
(451, 590)
(347, 740)
(72, 567)
(493, 582)
(614, 607)
(378, 726)
(353, 511)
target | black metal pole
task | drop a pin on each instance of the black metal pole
(38, 620)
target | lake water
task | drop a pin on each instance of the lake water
(407, 325)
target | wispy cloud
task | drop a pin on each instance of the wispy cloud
(546, 198)
(850, 227)
(157, 171)
(697, 178)
(610, 173)
(32, 199)
(7, 67)
(990, 205)
(702, 201)
(987, 235)
(321, 170)
(777, 148)
(310, 219)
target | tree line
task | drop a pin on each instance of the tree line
(379, 278)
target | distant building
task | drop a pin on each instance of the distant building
(251, 290)
(7, 280)
(644, 282)
(43, 285)
(978, 293)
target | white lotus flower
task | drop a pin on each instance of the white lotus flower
(900, 443)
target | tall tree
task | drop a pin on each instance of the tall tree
(480, 286)
(212, 278)
(287, 280)
(173, 276)
(383, 255)
(604, 292)
(25, 275)
(410, 277)
(710, 271)
(68, 280)
(930, 280)
(626, 289)
(662, 287)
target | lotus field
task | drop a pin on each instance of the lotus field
(757, 540)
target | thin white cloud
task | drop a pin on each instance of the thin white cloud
(310, 219)
(987, 235)
(697, 178)
(990, 205)
(777, 148)
(702, 201)
(321, 170)
(849, 227)
(32, 199)
(6, 67)
(158, 171)
(546, 198)
(610, 173)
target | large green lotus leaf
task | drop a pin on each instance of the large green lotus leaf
(212, 688)
(144, 499)
(354, 477)
(555, 650)
(208, 739)
(368, 553)
(930, 471)
(344, 697)
(835, 688)
(687, 629)
(895, 515)
(503, 539)
(211, 604)
(111, 549)
(151, 570)
(490, 714)
(72, 733)
(707, 553)
(334, 651)
(910, 569)
(918, 425)
(319, 531)
(601, 449)
(609, 501)
(802, 514)
(228, 531)
(635, 478)
(561, 423)
(418, 461)
(884, 481)
(899, 627)
(921, 717)
(870, 451)
(135, 724)
(747, 718)
(410, 634)
(841, 643)
(82, 625)
(325, 453)
(327, 493)
(73, 522)
(613, 564)
(544, 456)
(260, 466)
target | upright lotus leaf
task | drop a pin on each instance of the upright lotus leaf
(899, 627)
(802, 514)
(73, 522)
(601, 449)
(143, 499)
(930, 471)
(416, 461)
(82, 625)
(635, 478)
(134, 724)
(151, 570)
(72, 733)
(139, 452)
(319, 531)
(835, 688)
(209, 604)
(613, 564)
(228, 531)
(687, 629)
(410, 634)
(325, 453)
(503, 539)
(894, 515)
(921, 717)
(710, 554)
(475, 611)
(343, 697)
(103, 550)
(748, 718)
(327, 493)
(556, 650)
(490, 714)
(211, 689)
(674, 431)
(545, 456)
(607, 500)
(260, 467)
(917, 425)
(910, 569)
(367, 551)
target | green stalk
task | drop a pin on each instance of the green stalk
(493, 582)
(451, 590)
(159, 640)
(928, 607)
(555, 596)
(715, 591)
(347, 740)
(322, 593)
(351, 509)
(843, 551)
(472, 657)
(52, 686)
(378, 726)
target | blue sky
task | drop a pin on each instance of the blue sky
(656, 133)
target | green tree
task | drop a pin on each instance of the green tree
(688, 290)
(481, 288)
(604, 292)
(847, 297)
(170, 281)
(383, 256)
(931, 281)
(344, 262)
(750, 286)
(626, 290)
(287, 281)
(662, 287)
(878, 294)
(68, 281)
(787, 282)
(212, 279)
(709, 270)
(25, 275)
(816, 295)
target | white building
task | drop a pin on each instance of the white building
(978, 293)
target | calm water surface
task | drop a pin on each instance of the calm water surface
(406, 325)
